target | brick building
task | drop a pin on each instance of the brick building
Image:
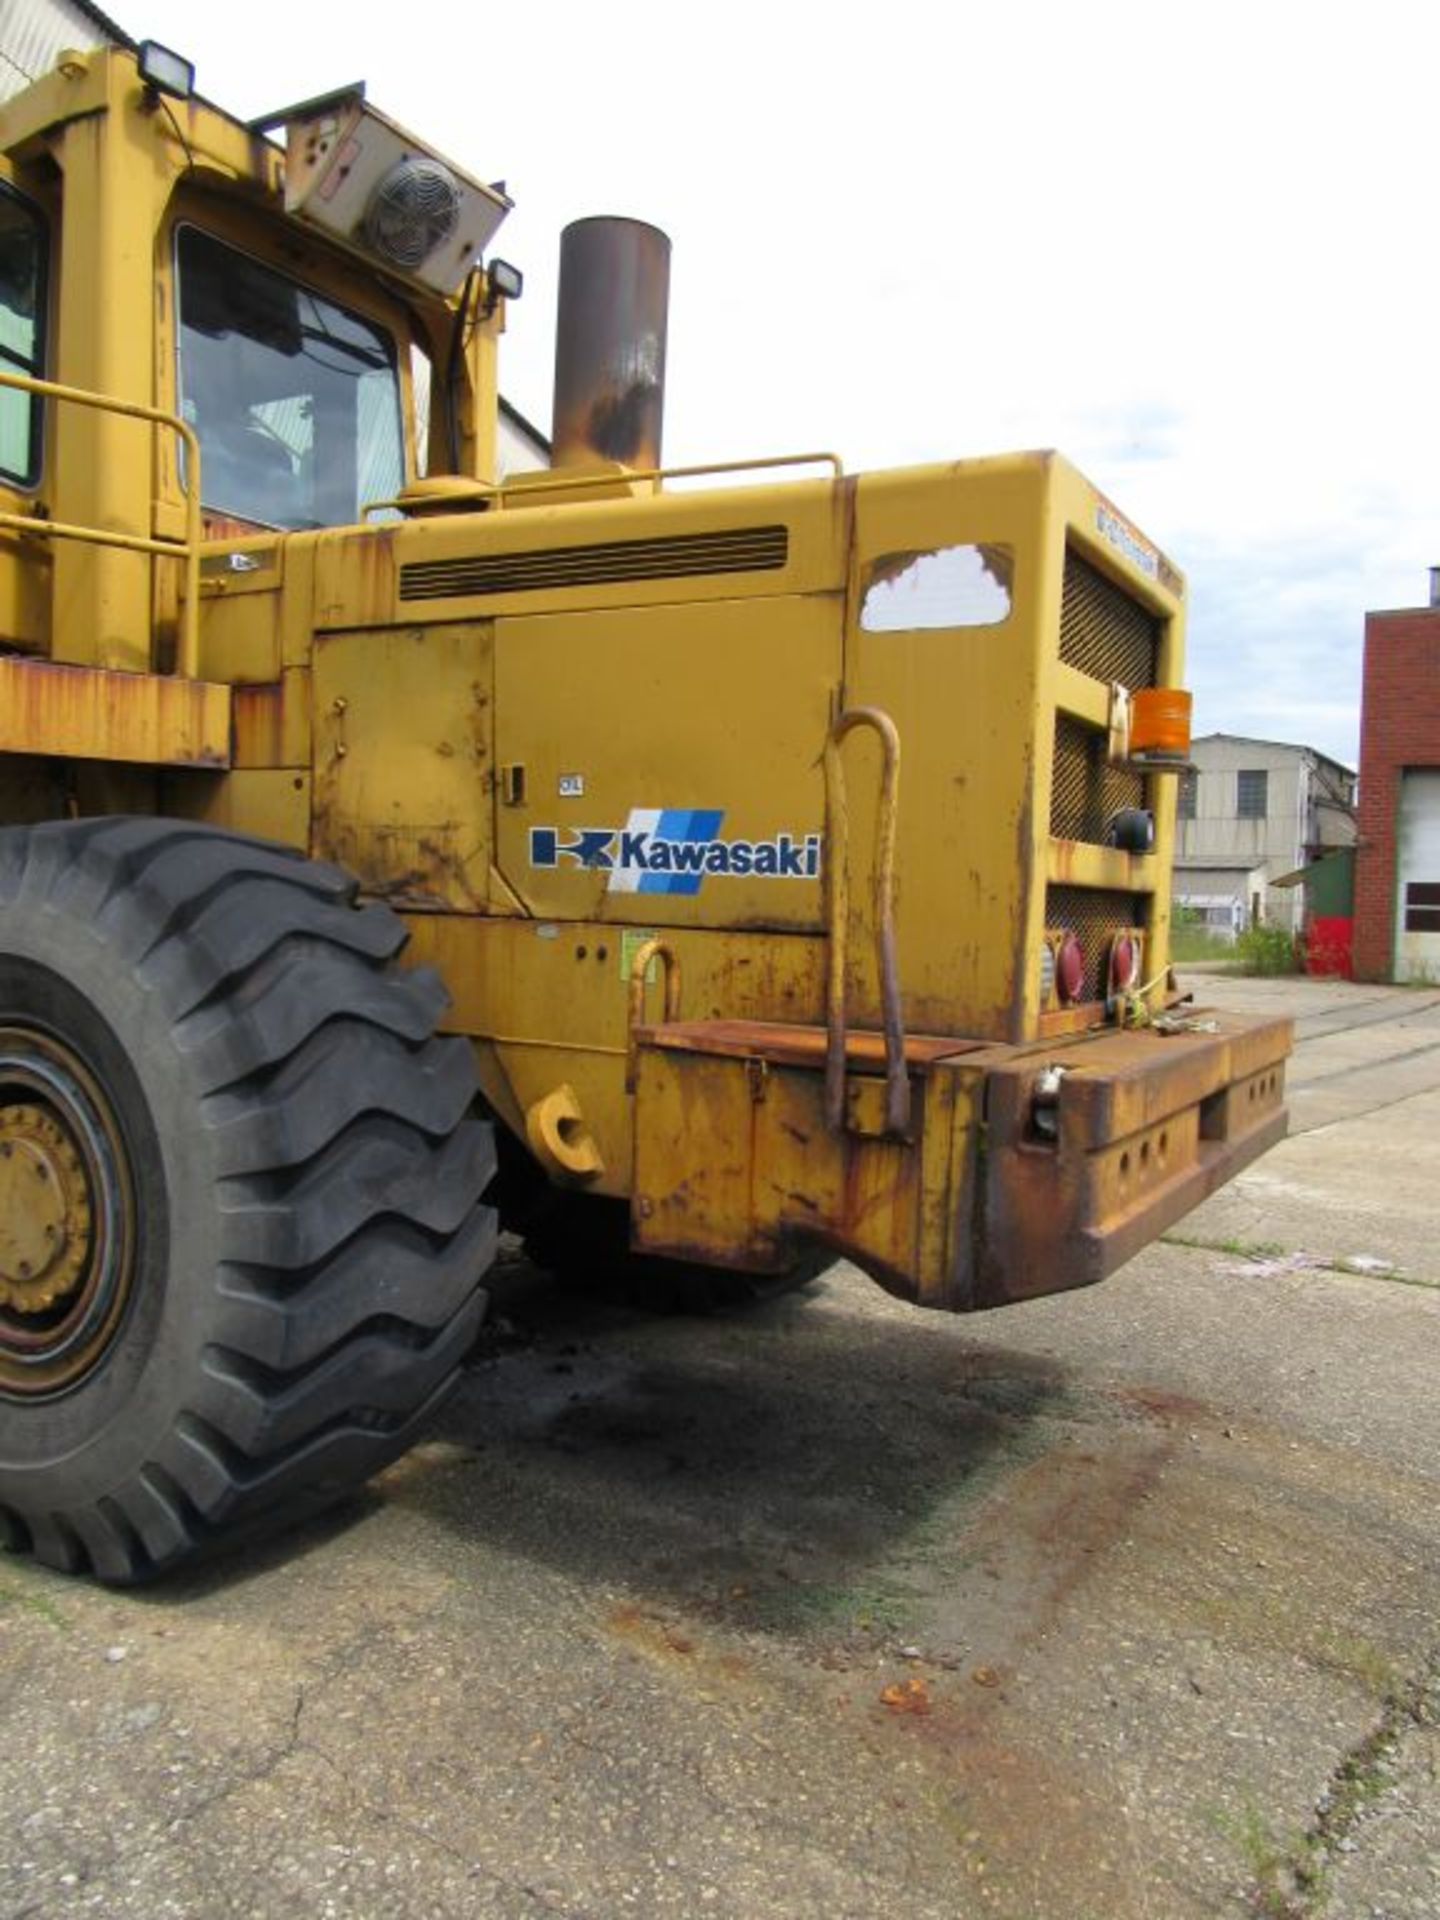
(1397, 873)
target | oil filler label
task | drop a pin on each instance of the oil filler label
(672, 850)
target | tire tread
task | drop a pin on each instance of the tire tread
(351, 1229)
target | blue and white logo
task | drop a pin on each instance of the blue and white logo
(672, 849)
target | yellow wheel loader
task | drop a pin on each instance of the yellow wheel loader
(781, 856)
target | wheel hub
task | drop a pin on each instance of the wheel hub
(44, 1211)
(67, 1224)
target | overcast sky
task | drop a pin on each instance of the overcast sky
(1192, 246)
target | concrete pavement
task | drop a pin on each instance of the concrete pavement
(1114, 1607)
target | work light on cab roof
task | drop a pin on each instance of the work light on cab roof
(165, 71)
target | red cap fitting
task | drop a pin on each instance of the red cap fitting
(1124, 964)
(1070, 969)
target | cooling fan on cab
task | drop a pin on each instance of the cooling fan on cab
(413, 211)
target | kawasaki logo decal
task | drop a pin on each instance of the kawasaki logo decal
(671, 849)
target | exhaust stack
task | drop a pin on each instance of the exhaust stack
(610, 344)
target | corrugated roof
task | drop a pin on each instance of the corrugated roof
(522, 425)
(33, 33)
(106, 25)
(1283, 746)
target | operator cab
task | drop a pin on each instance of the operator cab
(295, 398)
(299, 385)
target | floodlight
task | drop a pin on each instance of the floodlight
(164, 71)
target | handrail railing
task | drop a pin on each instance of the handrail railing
(188, 654)
(837, 857)
(647, 951)
(560, 480)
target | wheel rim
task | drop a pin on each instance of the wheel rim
(67, 1217)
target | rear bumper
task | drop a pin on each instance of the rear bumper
(977, 1206)
(1149, 1125)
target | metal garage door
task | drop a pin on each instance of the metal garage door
(1417, 893)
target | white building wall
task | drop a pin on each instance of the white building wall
(520, 451)
(33, 34)
(1299, 814)
(1417, 934)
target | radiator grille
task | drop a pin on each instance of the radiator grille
(605, 563)
(1086, 791)
(1103, 632)
(1095, 915)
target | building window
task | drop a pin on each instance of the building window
(1188, 794)
(22, 343)
(1251, 798)
(1422, 907)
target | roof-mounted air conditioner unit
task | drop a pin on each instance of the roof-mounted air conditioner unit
(368, 182)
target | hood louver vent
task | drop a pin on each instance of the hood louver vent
(736, 550)
(1086, 791)
(1103, 632)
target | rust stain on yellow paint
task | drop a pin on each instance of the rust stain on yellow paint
(91, 713)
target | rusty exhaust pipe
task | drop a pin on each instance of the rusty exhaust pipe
(610, 343)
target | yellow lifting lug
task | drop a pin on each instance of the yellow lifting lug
(559, 1137)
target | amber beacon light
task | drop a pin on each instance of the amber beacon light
(1160, 726)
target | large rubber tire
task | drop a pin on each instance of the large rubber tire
(271, 1229)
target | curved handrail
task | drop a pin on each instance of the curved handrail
(548, 480)
(648, 950)
(897, 1080)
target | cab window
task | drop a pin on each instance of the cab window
(22, 342)
(296, 400)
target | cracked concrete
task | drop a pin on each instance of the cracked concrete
(1387, 1862)
(1147, 1569)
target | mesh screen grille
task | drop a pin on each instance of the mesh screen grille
(1095, 915)
(735, 550)
(1086, 790)
(1103, 632)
